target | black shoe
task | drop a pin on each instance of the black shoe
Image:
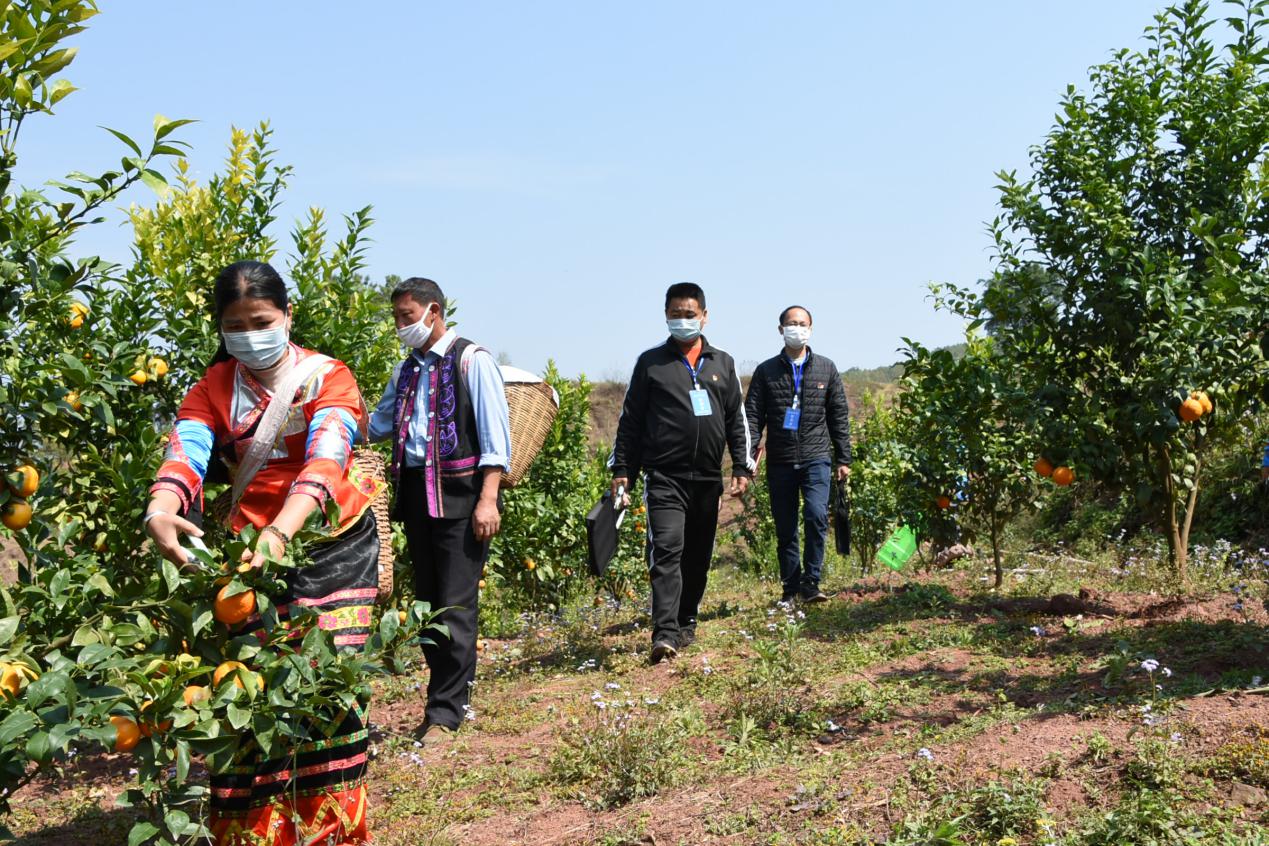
(663, 650)
(815, 597)
(687, 637)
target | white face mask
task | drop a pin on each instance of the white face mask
(684, 329)
(795, 337)
(416, 335)
(258, 350)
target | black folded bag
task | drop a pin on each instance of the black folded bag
(841, 518)
(601, 533)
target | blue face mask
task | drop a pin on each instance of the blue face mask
(684, 329)
(258, 350)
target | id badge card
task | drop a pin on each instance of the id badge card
(700, 402)
(792, 418)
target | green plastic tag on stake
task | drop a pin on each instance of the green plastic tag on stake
(898, 548)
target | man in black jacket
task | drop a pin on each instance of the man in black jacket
(799, 399)
(682, 408)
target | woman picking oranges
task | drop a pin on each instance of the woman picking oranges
(300, 462)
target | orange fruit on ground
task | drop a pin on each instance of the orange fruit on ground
(195, 693)
(943, 503)
(10, 679)
(1044, 467)
(1190, 410)
(16, 514)
(232, 610)
(1063, 476)
(149, 727)
(228, 667)
(1204, 400)
(30, 480)
(139, 377)
(72, 399)
(127, 733)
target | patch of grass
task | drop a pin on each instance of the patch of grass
(1245, 760)
(625, 750)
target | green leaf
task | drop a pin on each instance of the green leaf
(38, 748)
(238, 716)
(16, 725)
(125, 139)
(101, 583)
(141, 832)
(8, 628)
(59, 90)
(164, 127)
(176, 821)
(155, 181)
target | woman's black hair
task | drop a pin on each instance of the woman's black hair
(242, 280)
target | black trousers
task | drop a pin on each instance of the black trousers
(682, 521)
(447, 561)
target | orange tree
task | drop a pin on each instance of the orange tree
(1131, 263)
(875, 475)
(538, 559)
(967, 433)
(100, 641)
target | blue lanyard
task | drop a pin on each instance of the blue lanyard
(797, 383)
(696, 384)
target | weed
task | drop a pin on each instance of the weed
(626, 749)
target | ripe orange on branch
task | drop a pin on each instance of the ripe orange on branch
(228, 667)
(1063, 476)
(943, 502)
(30, 480)
(16, 514)
(1190, 410)
(149, 727)
(194, 694)
(10, 679)
(1044, 467)
(127, 733)
(232, 610)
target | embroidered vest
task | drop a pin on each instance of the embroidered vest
(453, 477)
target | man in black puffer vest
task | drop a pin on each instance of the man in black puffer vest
(798, 398)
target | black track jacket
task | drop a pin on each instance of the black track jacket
(658, 429)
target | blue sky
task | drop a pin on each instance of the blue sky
(556, 165)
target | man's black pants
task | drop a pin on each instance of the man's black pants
(447, 561)
(682, 520)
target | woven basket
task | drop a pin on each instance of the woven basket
(366, 462)
(533, 405)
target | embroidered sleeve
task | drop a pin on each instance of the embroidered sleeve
(332, 431)
(189, 448)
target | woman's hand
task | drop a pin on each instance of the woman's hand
(166, 529)
(267, 539)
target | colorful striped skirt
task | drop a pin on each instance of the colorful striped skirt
(317, 793)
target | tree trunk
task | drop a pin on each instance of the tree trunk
(1171, 521)
(995, 552)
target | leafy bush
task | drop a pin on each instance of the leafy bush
(538, 560)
